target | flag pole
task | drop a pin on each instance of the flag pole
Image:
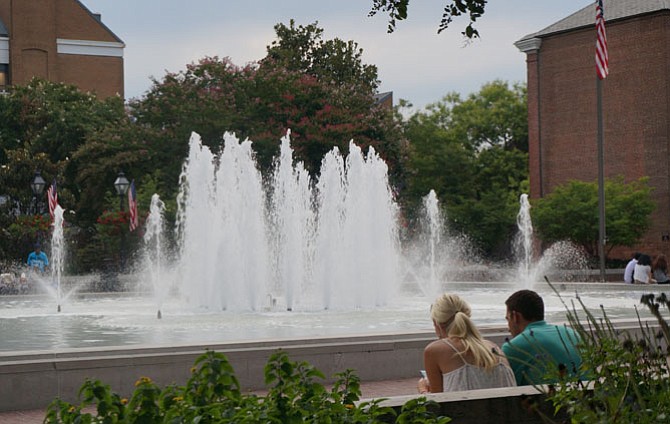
(602, 69)
(602, 238)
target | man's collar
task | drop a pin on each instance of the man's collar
(536, 323)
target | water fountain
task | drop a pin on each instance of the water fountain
(154, 250)
(523, 243)
(333, 246)
(313, 268)
(57, 253)
(533, 266)
(426, 258)
(328, 252)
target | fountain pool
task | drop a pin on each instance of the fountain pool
(28, 323)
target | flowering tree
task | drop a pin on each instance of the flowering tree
(304, 92)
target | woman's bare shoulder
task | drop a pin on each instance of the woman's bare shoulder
(439, 345)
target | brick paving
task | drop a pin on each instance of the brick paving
(369, 389)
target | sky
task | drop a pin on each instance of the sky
(414, 62)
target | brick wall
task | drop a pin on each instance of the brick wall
(635, 113)
(102, 75)
(34, 26)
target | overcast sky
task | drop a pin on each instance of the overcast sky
(414, 62)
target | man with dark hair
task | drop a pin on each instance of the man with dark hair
(630, 268)
(537, 347)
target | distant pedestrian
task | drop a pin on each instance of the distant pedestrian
(642, 273)
(630, 268)
(38, 259)
(659, 269)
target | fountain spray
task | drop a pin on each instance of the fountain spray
(524, 242)
(57, 252)
(153, 243)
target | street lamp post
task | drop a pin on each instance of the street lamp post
(37, 186)
(121, 185)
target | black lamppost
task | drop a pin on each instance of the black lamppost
(37, 186)
(121, 185)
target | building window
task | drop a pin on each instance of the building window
(4, 76)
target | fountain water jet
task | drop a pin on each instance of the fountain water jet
(436, 229)
(153, 242)
(523, 243)
(57, 253)
(329, 245)
(532, 267)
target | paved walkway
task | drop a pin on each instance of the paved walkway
(370, 389)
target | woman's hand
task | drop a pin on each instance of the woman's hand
(423, 386)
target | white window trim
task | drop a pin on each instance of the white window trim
(4, 50)
(90, 48)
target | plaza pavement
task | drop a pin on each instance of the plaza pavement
(370, 389)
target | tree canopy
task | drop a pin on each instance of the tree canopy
(570, 212)
(320, 90)
(44, 124)
(472, 152)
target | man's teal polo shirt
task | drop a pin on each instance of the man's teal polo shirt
(532, 351)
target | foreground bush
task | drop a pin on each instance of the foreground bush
(212, 395)
(626, 372)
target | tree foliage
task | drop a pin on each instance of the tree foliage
(43, 125)
(318, 89)
(302, 49)
(397, 10)
(570, 212)
(496, 115)
(472, 153)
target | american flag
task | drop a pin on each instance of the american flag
(132, 207)
(52, 197)
(602, 61)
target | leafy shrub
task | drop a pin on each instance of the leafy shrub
(212, 395)
(626, 371)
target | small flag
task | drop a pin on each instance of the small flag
(602, 60)
(52, 196)
(132, 207)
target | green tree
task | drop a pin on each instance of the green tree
(570, 212)
(489, 217)
(472, 153)
(42, 125)
(397, 11)
(496, 115)
(302, 49)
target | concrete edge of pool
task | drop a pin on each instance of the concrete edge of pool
(31, 380)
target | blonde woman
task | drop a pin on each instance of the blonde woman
(461, 359)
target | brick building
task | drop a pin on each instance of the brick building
(59, 40)
(562, 111)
